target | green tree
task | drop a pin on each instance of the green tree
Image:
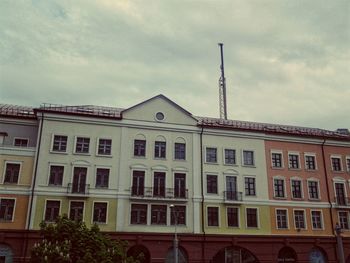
(68, 241)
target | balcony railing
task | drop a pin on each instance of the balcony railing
(342, 201)
(232, 196)
(158, 193)
(78, 189)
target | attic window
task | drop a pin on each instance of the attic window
(159, 116)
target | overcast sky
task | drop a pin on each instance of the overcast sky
(286, 62)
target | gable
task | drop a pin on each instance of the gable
(147, 111)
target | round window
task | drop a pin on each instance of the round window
(159, 116)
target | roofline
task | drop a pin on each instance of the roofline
(36, 110)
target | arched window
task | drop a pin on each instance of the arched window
(6, 253)
(234, 255)
(287, 254)
(139, 253)
(180, 149)
(317, 256)
(182, 255)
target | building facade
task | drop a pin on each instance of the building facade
(233, 191)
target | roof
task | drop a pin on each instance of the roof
(270, 128)
(8, 110)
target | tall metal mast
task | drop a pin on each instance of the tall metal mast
(222, 87)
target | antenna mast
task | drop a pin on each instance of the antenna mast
(222, 87)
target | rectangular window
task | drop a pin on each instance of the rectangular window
(310, 162)
(140, 148)
(104, 146)
(82, 145)
(252, 217)
(336, 164)
(158, 214)
(180, 151)
(178, 215)
(212, 184)
(248, 158)
(232, 217)
(294, 161)
(276, 159)
(100, 212)
(279, 188)
(12, 173)
(159, 184)
(213, 216)
(138, 214)
(313, 189)
(56, 175)
(296, 189)
(138, 183)
(102, 177)
(159, 149)
(344, 219)
(180, 185)
(249, 183)
(282, 218)
(79, 180)
(76, 210)
(230, 156)
(299, 219)
(52, 210)
(59, 143)
(348, 164)
(316, 218)
(7, 208)
(19, 142)
(211, 155)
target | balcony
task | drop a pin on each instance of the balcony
(342, 201)
(232, 197)
(152, 193)
(76, 190)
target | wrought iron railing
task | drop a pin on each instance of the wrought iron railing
(78, 189)
(232, 196)
(159, 192)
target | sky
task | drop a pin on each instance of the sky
(286, 62)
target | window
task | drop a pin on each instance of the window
(212, 184)
(7, 208)
(158, 214)
(252, 217)
(159, 149)
(82, 145)
(249, 183)
(79, 180)
(19, 142)
(179, 213)
(282, 218)
(138, 183)
(248, 158)
(276, 159)
(344, 219)
(336, 163)
(138, 214)
(213, 216)
(232, 217)
(180, 185)
(140, 148)
(316, 218)
(12, 173)
(296, 189)
(294, 161)
(56, 175)
(348, 164)
(310, 162)
(104, 146)
(230, 156)
(52, 210)
(59, 143)
(76, 210)
(313, 189)
(180, 151)
(160, 116)
(102, 177)
(299, 219)
(211, 155)
(159, 184)
(100, 212)
(279, 188)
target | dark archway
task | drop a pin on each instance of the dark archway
(317, 255)
(140, 252)
(234, 255)
(348, 260)
(6, 254)
(183, 256)
(287, 254)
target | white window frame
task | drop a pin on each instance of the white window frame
(148, 215)
(239, 217)
(318, 188)
(98, 144)
(301, 185)
(224, 156)
(254, 157)
(287, 216)
(217, 183)
(49, 173)
(338, 156)
(347, 159)
(279, 177)
(257, 217)
(84, 208)
(322, 222)
(313, 155)
(256, 190)
(13, 212)
(219, 214)
(348, 219)
(80, 166)
(109, 167)
(59, 211)
(282, 159)
(205, 155)
(93, 209)
(299, 163)
(21, 138)
(19, 173)
(52, 142)
(183, 141)
(304, 215)
(75, 144)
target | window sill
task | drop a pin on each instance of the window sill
(6, 221)
(215, 163)
(249, 165)
(231, 164)
(294, 169)
(139, 157)
(277, 168)
(315, 199)
(298, 198)
(280, 198)
(160, 159)
(311, 170)
(104, 155)
(179, 160)
(57, 152)
(79, 153)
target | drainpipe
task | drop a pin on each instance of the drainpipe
(202, 192)
(33, 186)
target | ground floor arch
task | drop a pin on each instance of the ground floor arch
(139, 252)
(6, 254)
(287, 254)
(317, 255)
(182, 255)
(234, 255)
